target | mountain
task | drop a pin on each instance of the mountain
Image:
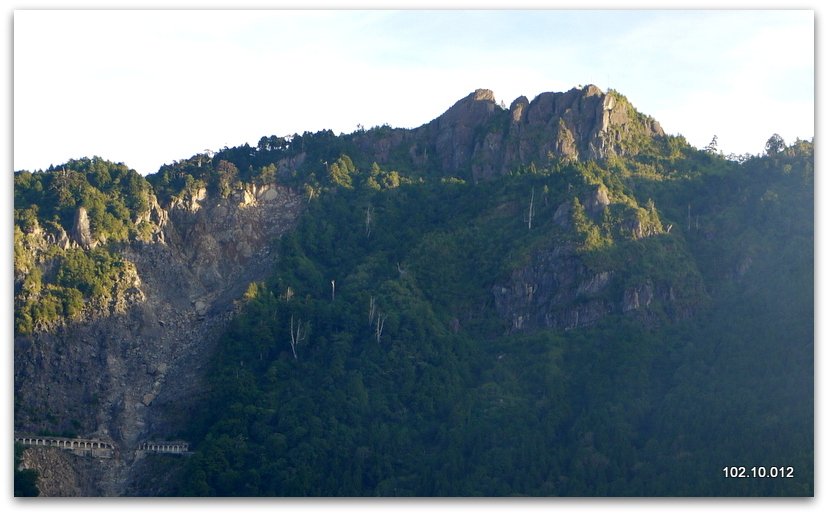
(552, 299)
(477, 137)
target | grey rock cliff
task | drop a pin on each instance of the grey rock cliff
(454, 135)
(81, 232)
(557, 289)
(129, 374)
(478, 139)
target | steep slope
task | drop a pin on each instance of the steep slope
(466, 351)
(545, 300)
(477, 136)
(475, 139)
(122, 374)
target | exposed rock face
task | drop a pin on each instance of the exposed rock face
(597, 201)
(156, 218)
(563, 214)
(129, 376)
(638, 297)
(81, 232)
(557, 290)
(580, 124)
(63, 474)
(518, 109)
(58, 238)
(454, 135)
(476, 138)
(220, 242)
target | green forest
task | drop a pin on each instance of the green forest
(374, 360)
(383, 394)
(46, 203)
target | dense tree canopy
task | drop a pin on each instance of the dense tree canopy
(406, 380)
(408, 384)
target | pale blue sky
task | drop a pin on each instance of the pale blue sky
(150, 87)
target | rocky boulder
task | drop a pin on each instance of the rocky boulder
(597, 200)
(81, 232)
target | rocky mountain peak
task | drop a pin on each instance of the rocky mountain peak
(483, 95)
(476, 138)
(518, 108)
(471, 110)
(592, 90)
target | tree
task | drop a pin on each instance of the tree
(264, 144)
(372, 310)
(228, 175)
(774, 145)
(368, 213)
(380, 325)
(25, 480)
(340, 172)
(713, 146)
(267, 174)
(297, 334)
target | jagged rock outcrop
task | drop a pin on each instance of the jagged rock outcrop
(580, 124)
(220, 242)
(81, 232)
(597, 200)
(557, 290)
(479, 139)
(454, 134)
(128, 375)
(518, 109)
(58, 238)
(563, 214)
(155, 219)
(62, 474)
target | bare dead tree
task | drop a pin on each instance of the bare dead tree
(380, 325)
(713, 146)
(297, 334)
(333, 290)
(531, 207)
(372, 310)
(368, 217)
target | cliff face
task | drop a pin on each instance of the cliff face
(62, 474)
(477, 137)
(121, 374)
(557, 290)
